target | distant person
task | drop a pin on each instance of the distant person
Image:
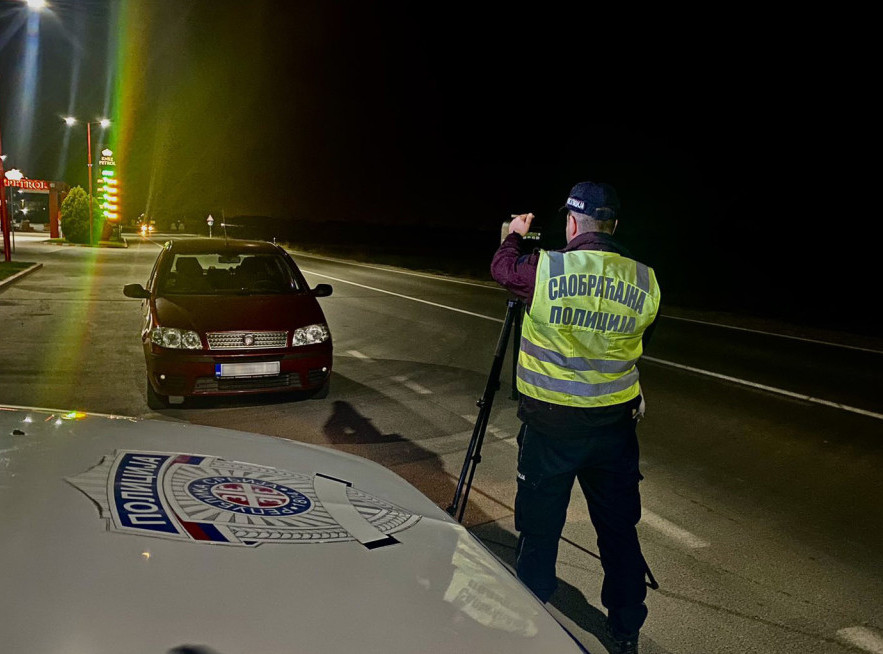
(590, 309)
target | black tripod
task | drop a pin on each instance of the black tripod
(457, 508)
(484, 404)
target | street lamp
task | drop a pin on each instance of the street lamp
(34, 7)
(104, 123)
(4, 213)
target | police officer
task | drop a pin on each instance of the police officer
(590, 309)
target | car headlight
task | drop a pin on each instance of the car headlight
(310, 334)
(176, 339)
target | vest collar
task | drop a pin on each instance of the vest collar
(596, 241)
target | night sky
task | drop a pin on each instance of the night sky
(740, 143)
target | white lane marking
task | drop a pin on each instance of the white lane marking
(759, 331)
(414, 386)
(497, 287)
(671, 530)
(764, 387)
(406, 297)
(744, 382)
(489, 285)
(501, 434)
(649, 518)
(359, 355)
(863, 638)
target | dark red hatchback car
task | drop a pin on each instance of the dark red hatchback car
(229, 317)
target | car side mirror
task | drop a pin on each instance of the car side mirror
(136, 291)
(322, 290)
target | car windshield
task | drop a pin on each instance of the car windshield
(227, 274)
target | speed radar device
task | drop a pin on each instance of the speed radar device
(533, 235)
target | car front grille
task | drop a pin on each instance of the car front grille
(246, 340)
(215, 385)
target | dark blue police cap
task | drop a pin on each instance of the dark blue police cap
(596, 200)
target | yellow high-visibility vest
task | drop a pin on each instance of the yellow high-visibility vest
(581, 339)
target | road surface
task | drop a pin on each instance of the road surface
(761, 452)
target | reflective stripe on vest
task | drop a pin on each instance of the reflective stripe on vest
(582, 336)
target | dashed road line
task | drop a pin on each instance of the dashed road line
(498, 433)
(863, 638)
(412, 385)
(671, 530)
(359, 355)
(649, 518)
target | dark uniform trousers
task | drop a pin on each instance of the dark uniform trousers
(605, 461)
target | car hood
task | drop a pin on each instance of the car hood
(142, 536)
(204, 313)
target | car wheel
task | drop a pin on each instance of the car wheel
(155, 400)
(322, 392)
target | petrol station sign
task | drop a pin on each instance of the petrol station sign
(108, 187)
(16, 179)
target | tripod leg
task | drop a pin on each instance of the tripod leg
(473, 451)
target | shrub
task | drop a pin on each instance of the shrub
(75, 216)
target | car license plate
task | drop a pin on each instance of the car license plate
(258, 369)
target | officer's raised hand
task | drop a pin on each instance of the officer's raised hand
(520, 223)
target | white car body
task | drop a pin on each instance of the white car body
(143, 536)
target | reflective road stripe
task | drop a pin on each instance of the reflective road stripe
(863, 638)
(578, 388)
(575, 363)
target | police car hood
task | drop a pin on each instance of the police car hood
(141, 536)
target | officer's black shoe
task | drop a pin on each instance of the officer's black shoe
(622, 644)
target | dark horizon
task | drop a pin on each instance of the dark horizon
(736, 151)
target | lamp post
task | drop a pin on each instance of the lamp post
(104, 123)
(4, 216)
(34, 7)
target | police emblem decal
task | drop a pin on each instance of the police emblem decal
(255, 497)
(207, 499)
